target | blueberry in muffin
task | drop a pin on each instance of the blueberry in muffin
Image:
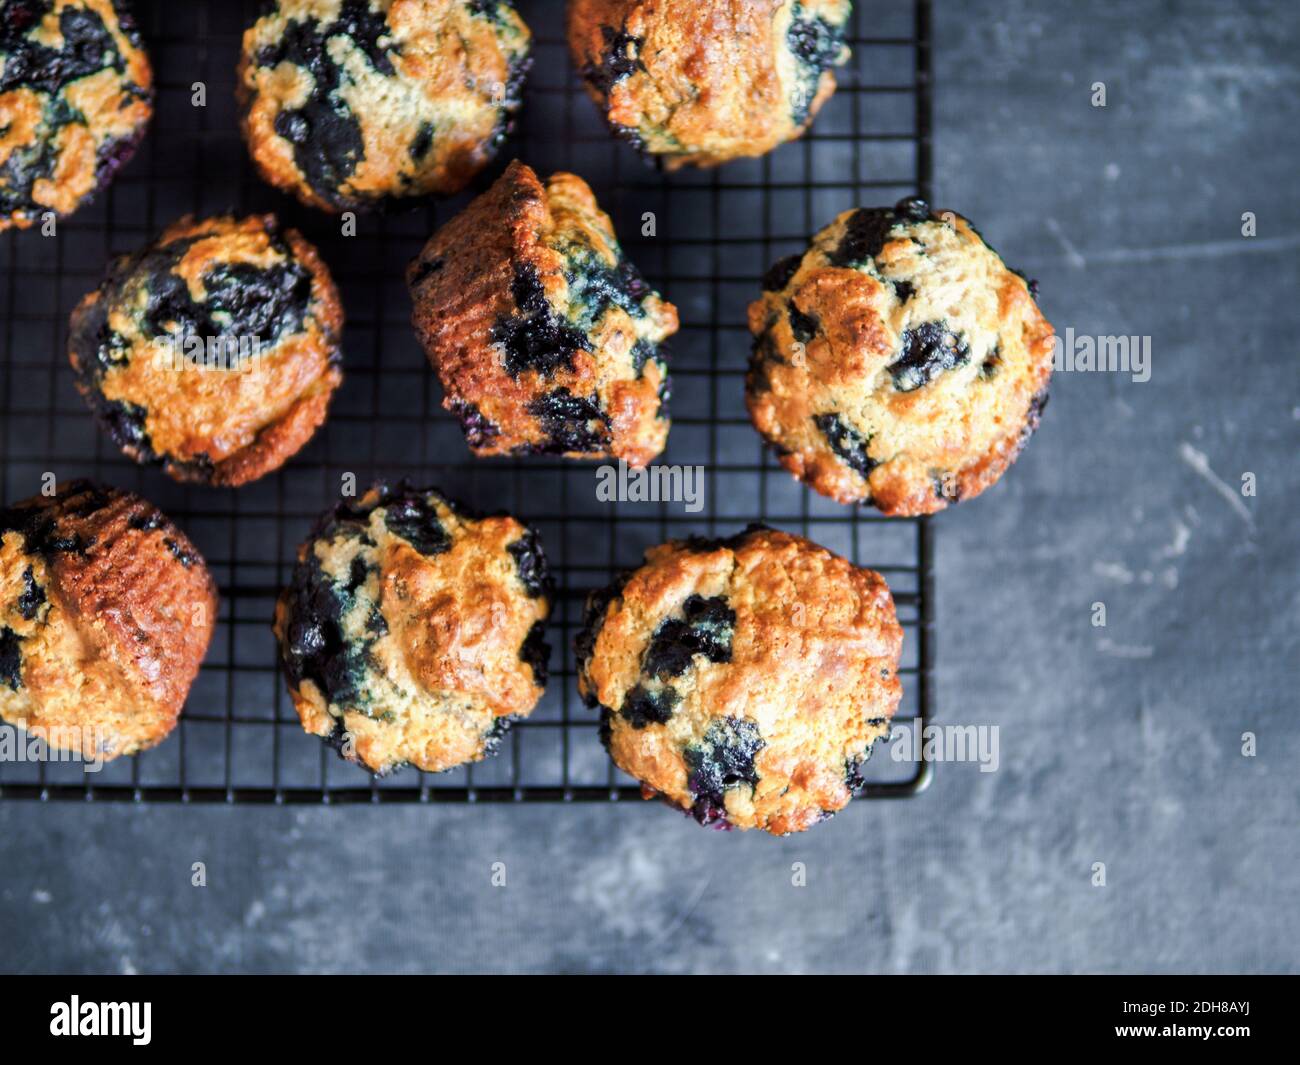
(744, 680)
(214, 350)
(413, 630)
(106, 612)
(897, 361)
(701, 82)
(546, 339)
(352, 104)
(76, 92)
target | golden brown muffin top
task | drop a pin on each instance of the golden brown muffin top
(544, 336)
(106, 611)
(898, 361)
(76, 92)
(701, 82)
(744, 679)
(348, 105)
(214, 350)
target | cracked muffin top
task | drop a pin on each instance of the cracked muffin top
(352, 104)
(76, 92)
(214, 350)
(898, 361)
(744, 680)
(413, 630)
(106, 612)
(546, 339)
(701, 82)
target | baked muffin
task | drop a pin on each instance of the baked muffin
(744, 680)
(702, 82)
(76, 92)
(898, 361)
(545, 337)
(106, 611)
(213, 351)
(412, 632)
(352, 104)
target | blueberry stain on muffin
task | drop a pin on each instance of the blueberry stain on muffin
(722, 761)
(76, 93)
(545, 336)
(360, 104)
(413, 629)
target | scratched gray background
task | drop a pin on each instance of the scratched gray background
(1119, 745)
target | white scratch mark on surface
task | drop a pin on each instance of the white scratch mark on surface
(1124, 650)
(1113, 571)
(1177, 546)
(1243, 246)
(42, 897)
(1071, 252)
(1201, 465)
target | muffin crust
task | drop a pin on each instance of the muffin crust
(76, 92)
(744, 680)
(106, 612)
(701, 82)
(352, 104)
(546, 339)
(222, 415)
(413, 630)
(898, 361)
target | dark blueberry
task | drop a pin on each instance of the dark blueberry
(331, 145)
(496, 734)
(1030, 282)
(593, 617)
(413, 518)
(619, 61)
(817, 44)
(29, 603)
(723, 759)
(643, 706)
(182, 555)
(425, 268)
(597, 286)
(913, 209)
(903, 290)
(606, 730)
(421, 142)
(1032, 417)
(706, 628)
(803, 326)
(315, 648)
(718, 543)
(147, 522)
(991, 364)
(928, 350)
(530, 564)
(780, 272)
(847, 443)
(537, 652)
(39, 525)
(87, 48)
(479, 430)
(865, 233)
(535, 338)
(571, 423)
(11, 658)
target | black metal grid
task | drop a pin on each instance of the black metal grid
(239, 739)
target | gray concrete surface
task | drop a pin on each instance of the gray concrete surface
(1119, 745)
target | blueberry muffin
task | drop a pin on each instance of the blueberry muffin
(353, 104)
(744, 680)
(76, 92)
(898, 361)
(702, 82)
(545, 337)
(106, 612)
(412, 632)
(213, 351)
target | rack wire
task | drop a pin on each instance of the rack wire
(239, 740)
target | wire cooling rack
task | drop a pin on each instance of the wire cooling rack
(239, 740)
